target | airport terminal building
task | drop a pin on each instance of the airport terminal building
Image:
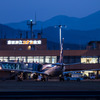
(35, 50)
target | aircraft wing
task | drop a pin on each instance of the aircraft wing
(72, 64)
(60, 64)
(43, 73)
(24, 70)
(17, 70)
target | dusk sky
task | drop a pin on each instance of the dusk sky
(20, 10)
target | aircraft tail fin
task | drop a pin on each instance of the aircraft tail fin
(61, 52)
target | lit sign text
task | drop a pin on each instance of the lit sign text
(22, 42)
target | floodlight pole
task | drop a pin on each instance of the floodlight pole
(60, 35)
(60, 26)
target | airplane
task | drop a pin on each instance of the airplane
(56, 69)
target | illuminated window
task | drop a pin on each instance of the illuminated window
(24, 58)
(89, 60)
(54, 59)
(30, 59)
(39, 42)
(1, 58)
(19, 58)
(36, 59)
(5, 59)
(12, 58)
(48, 59)
(41, 59)
(99, 59)
(87, 72)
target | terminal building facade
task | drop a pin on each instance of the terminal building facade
(35, 50)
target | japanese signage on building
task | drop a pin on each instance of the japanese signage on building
(23, 42)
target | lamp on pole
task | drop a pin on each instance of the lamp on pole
(30, 23)
(60, 26)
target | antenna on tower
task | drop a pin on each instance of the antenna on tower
(30, 23)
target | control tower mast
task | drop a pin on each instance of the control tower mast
(30, 23)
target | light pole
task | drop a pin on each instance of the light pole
(60, 26)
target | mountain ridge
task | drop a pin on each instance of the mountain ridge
(86, 23)
(73, 39)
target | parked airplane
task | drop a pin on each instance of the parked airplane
(55, 69)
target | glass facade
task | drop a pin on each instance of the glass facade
(5, 58)
(52, 59)
(48, 59)
(36, 59)
(89, 60)
(99, 59)
(20, 58)
(30, 59)
(41, 59)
